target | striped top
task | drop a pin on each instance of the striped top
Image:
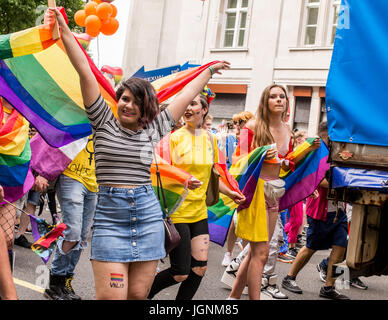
(123, 156)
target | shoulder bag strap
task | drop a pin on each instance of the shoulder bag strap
(159, 181)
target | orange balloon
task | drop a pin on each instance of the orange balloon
(92, 33)
(104, 11)
(114, 13)
(93, 23)
(91, 8)
(109, 26)
(80, 17)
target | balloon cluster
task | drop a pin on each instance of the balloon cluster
(98, 16)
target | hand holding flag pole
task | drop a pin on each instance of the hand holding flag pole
(52, 4)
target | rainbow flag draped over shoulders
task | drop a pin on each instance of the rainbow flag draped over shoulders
(307, 175)
(299, 184)
(246, 172)
(38, 79)
(15, 155)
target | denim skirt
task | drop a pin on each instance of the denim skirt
(128, 225)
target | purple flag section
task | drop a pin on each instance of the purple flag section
(15, 193)
(305, 179)
(50, 162)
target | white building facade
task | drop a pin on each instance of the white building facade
(288, 42)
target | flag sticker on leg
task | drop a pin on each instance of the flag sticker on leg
(117, 277)
(116, 280)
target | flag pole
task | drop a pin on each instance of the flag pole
(52, 4)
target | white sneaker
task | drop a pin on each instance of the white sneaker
(273, 292)
(229, 275)
(227, 259)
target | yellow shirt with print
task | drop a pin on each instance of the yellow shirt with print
(194, 154)
(83, 169)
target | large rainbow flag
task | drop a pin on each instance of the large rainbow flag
(38, 79)
(15, 155)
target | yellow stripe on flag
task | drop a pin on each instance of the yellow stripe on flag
(63, 73)
(26, 42)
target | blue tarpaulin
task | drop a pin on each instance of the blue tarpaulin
(360, 178)
(357, 84)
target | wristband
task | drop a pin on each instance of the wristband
(211, 71)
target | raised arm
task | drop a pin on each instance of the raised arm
(178, 106)
(89, 85)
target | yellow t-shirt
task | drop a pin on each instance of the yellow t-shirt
(83, 169)
(194, 154)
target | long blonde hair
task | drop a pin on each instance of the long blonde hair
(262, 134)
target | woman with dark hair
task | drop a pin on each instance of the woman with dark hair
(194, 150)
(128, 232)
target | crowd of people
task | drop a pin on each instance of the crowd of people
(113, 197)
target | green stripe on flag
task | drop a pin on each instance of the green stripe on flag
(5, 47)
(39, 84)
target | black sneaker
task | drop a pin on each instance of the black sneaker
(357, 283)
(322, 273)
(290, 285)
(292, 253)
(23, 242)
(332, 293)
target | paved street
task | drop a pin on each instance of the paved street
(31, 275)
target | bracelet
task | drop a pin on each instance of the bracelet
(211, 71)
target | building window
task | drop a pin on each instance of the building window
(302, 113)
(235, 24)
(334, 12)
(311, 21)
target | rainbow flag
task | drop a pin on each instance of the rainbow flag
(170, 85)
(174, 182)
(15, 155)
(307, 175)
(25, 42)
(246, 172)
(38, 79)
(45, 237)
(50, 162)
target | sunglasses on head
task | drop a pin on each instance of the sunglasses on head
(239, 122)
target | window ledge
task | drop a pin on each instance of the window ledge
(312, 48)
(229, 50)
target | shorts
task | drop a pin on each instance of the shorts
(33, 197)
(322, 235)
(128, 225)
